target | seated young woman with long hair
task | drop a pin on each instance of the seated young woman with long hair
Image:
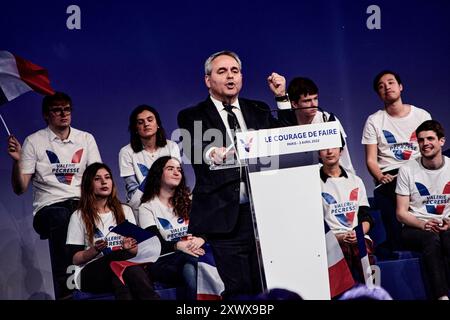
(147, 143)
(165, 210)
(93, 246)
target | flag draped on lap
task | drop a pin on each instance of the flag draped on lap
(149, 247)
(18, 76)
(363, 255)
(339, 274)
(209, 283)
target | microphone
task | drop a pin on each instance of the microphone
(269, 110)
(305, 108)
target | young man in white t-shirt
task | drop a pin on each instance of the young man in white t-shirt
(54, 160)
(390, 141)
(304, 98)
(345, 206)
(423, 197)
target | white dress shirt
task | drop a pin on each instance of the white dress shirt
(243, 195)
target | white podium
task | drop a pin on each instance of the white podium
(285, 194)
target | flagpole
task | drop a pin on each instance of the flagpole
(4, 124)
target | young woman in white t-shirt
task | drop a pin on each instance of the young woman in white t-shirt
(147, 143)
(165, 208)
(93, 246)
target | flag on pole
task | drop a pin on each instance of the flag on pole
(340, 277)
(149, 247)
(18, 76)
(209, 283)
(364, 256)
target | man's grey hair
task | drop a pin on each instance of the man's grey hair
(211, 58)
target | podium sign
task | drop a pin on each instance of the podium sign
(295, 139)
(287, 207)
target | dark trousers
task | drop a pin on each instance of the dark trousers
(98, 277)
(435, 249)
(386, 201)
(236, 257)
(176, 269)
(51, 223)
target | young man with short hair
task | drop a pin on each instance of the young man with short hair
(304, 98)
(390, 141)
(423, 197)
(54, 160)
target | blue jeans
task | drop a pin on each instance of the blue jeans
(176, 269)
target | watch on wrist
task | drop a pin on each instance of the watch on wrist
(284, 98)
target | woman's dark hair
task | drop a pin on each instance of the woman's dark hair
(181, 201)
(135, 139)
(89, 212)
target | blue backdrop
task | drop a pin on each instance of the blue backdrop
(153, 53)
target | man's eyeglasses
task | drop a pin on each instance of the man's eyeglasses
(61, 110)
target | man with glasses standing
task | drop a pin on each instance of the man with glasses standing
(54, 159)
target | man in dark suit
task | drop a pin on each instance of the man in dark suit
(220, 208)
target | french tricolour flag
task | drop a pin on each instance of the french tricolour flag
(18, 76)
(149, 247)
(341, 278)
(365, 263)
(209, 283)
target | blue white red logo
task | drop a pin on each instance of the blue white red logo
(174, 233)
(114, 241)
(165, 223)
(247, 145)
(403, 150)
(144, 171)
(64, 172)
(345, 211)
(435, 204)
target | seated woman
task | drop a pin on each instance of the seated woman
(345, 206)
(147, 143)
(93, 246)
(165, 210)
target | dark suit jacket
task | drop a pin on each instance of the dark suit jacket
(215, 204)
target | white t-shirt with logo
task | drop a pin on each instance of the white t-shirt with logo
(57, 166)
(428, 190)
(77, 234)
(155, 213)
(341, 199)
(395, 137)
(138, 164)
